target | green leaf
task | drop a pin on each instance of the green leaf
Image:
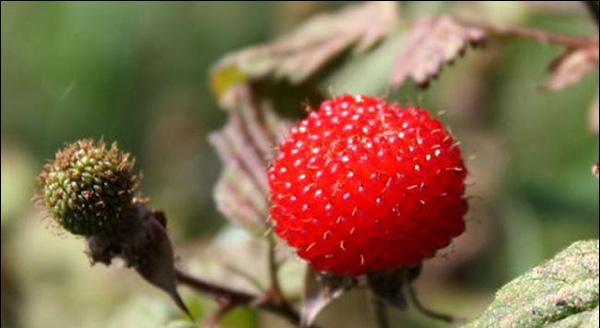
(585, 319)
(181, 324)
(240, 317)
(562, 292)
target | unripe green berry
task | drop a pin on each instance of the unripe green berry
(89, 188)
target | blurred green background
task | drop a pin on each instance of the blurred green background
(137, 73)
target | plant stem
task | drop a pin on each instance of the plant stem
(213, 320)
(382, 316)
(236, 297)
(538, 35)
(532, 33)
(412, 296)
(220, 292)
(273, 272)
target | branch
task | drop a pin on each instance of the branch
(275, 286)
(536, 34)
(235, 297)
(219, 292)
(412, 295)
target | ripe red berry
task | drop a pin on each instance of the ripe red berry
(363, 186)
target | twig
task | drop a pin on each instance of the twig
(235, 297)
(381, 313)
(540, 35)
(219, 292)
(536, 34)
(213, 320)
(412, 295)
(273, 272)
(592, 7)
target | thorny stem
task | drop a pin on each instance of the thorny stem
(592, 7)
(235, 297)
(381, 313)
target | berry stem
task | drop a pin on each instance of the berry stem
(236, 297)
(275, 286)
(382, 316)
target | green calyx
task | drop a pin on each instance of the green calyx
(89, 188)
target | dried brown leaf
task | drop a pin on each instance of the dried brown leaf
(301, 53)
(572, 65)
(246, 145)
(433, 43)
(147, 249)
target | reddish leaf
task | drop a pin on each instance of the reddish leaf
(572, 65)
(246, 146)
(301, 53)
(433, 42)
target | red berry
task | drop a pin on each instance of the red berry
(363, 186)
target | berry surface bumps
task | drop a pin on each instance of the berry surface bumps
(362, 186)
(89, 187)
